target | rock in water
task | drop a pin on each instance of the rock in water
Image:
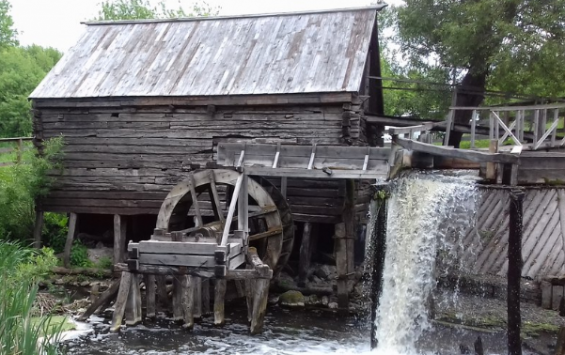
(292, 299)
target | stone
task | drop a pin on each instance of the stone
(325, 301)
(273, 300)
(292, 299)
(325, 272)
(95, 255)
(85, 284)
(313, 300)
(332, 305)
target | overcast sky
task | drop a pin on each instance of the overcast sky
(56, 23)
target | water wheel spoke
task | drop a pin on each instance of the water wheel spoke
(195, 202)
(215, 199)
(267, 234)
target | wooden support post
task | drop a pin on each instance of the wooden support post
(196, 284)
(37, 228)
(491, 167)
(378, 245)
(249, 292)
(121, 299)
(205, 296)
(560, 347)
(104, 298)
(178, 314)
(305, 255)
(150, 295)
(341, 265)
(119, 238)
(162, 289)
(350, 224)
(219, 296)
(187, 300)
(70, 239)
(261, 293)
(514, 272)
(133, 304)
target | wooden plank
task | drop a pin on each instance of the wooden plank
(187, 301)
(70, 238)
(182, 247)
(216, 206)
(177, 260)
(195, 202)
(491, 167)
(425, 126)
(457, 153)
(318, 174)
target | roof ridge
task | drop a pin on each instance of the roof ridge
(377, 7)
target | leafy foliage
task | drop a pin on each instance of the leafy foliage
(8, 33)
(79, 255)
(55, 229)
(20, 185)
(514, 46)
(21, 70)
(143, 9)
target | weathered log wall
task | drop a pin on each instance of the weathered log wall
(124, 159)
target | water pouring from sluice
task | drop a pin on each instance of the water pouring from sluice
(427, 213)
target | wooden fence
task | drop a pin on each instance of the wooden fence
(17, 146)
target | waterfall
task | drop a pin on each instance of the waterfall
(427, 216)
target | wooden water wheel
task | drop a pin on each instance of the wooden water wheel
(198, 207)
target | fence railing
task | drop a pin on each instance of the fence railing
(14, 145)
(530, 127)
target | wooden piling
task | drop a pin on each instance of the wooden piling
(260, 296)
(187, 301)
(378, 245)
(121, 299)
(491, 167)
(150, 295)
(305, 255)
(219, 297)
(514, 272)
(70, 238)
(196, 283)
(133, 304)
(205, 296)
(162, 290)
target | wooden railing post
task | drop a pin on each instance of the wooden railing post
(20, 150)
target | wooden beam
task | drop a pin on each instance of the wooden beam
(150, 295)
(219, 297)
(471, 155)
(340, 246)
(70, 238)
(133, 304)
(426, 126)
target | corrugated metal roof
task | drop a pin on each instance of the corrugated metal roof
(543, 237)
(268, 54)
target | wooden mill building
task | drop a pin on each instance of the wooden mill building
(141, 103)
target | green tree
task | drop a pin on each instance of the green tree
(21, 70)
(8, 34)
(143, 9)
(500, 44)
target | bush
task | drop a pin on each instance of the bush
(20, 186)
(20, 269)
(55, 230)
(79, 255)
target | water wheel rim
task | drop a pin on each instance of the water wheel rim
(199, 180)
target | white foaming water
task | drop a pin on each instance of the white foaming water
(426, 214)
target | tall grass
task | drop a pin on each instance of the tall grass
(20, 332)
